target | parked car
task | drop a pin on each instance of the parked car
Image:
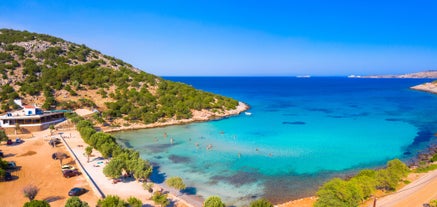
(77, 191)
(12, 165)
(7, 177)
(67, 167)
(18, 140)
(70, 173)
(9, 142)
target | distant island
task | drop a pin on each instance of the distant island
(424, 74)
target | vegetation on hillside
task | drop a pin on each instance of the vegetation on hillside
(64, 75)
(352, 192)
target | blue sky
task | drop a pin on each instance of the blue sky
(243, 38)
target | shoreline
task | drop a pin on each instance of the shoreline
(93, 172)
(430, 87)
(198, 116)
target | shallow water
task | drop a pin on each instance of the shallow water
(301, 133)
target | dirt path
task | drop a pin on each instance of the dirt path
(414, 194)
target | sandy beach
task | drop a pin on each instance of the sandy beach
(126, 188)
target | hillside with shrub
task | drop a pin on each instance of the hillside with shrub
(57, 74)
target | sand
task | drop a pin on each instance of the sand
(38, 168)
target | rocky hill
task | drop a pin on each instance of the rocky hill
(57, 74)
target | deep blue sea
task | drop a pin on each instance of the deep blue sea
(301, 132)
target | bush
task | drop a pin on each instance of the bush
(111, 201)
(433, 203)
(134, 202)
(160, 199)
(213, 201)
(36, 203)
(338, 192)
(176, 182)
(76, 202)
(261, 203)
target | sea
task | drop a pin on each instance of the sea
(297, 134)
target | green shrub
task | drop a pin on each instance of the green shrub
(36, 203)
(75, 201)
(213, 201)
(261, 203)
(111, 201)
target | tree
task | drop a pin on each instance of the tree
(36, 203)
(76, 202)
(111, 201)
(134, 202)
(160, 199)
(114, 168)
(51, 127)
(213, 201)
(176, 182)
(261, 203)
(18, 128)
(88, 152)
(338, 192)
(60, 156)
(3, 136)
(30, 192)
(142, 169)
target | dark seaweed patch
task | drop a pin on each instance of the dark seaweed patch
(422, 136)
(337, 116)
(393, 119)
(155, 148)
(179, 159)
(294, 122)
(320, 110)
(238, 179)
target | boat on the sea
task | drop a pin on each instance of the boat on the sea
(303, 76)
(247, 113)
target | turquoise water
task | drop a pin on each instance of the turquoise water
(300, 133)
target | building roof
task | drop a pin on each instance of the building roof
(29, 107)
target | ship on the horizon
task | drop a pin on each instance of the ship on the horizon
(303, 76)
(354, 76)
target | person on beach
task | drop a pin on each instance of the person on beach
(171, 140)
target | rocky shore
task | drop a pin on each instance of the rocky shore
(427, 87)
(198, 116)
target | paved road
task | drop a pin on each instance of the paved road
(414, 194)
